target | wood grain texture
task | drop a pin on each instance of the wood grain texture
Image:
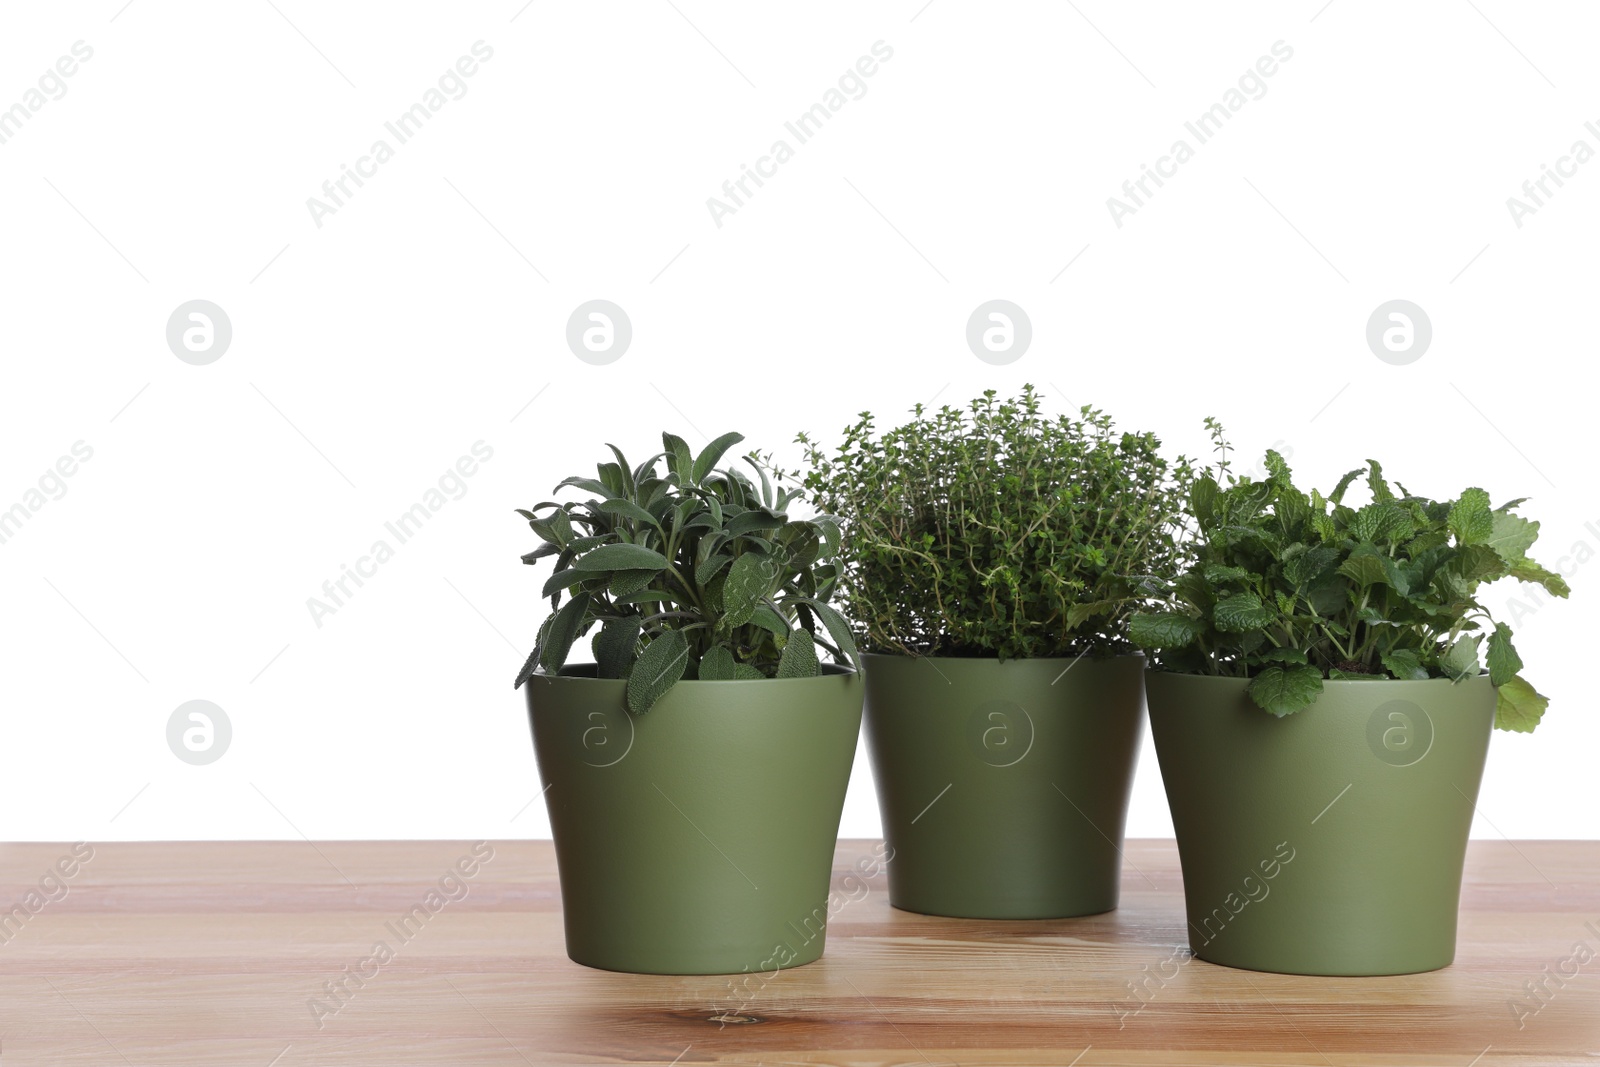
(195, 953)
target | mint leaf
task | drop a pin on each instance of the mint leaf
(1216, 573)
(1364, 570)
(1309, 564)
(1405, 664)
(1529, 571)
(1470, 520)
(1394, 523)
(1367, 521)
(1192, 588)
(1518, 706)
(1278, 469)
(1337, 496)
(1078, 614)
(1380, 488)
(1399, 579)
(1462, 659)
(1512, 535)
(1241, 612)
(1285, 690)
(1167, 629)
(1502, 658)
(1323, 524)
(1478, 563)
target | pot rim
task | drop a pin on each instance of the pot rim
(585, 672)
(1013, 659)
(1151, 672)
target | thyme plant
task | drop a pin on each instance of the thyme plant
(998, 530)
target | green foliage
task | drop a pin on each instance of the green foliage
(1289, 589)
(996, 530)
(697, 572)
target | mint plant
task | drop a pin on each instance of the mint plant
(1288, 589)
(692, 573)
(998, 530)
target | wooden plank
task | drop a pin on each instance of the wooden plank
(211, 953)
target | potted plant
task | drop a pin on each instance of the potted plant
(695, 772)
(1325, 680)
(994, 555)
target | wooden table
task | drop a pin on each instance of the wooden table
(218, 954)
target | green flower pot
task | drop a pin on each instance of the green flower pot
(697, 838)
(1003, 786)
(1330, 841)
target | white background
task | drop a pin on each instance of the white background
(428, 313)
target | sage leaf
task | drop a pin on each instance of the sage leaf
(657, 670)
(679, 459)
(838, 629)
(711, 454)
(564, 580)
(743, 589)
(614, 646)
(564, 629)
(799, 660)
(624, 583)
(717, 665)
(621, 557)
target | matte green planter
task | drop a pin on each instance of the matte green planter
(1003, 786)
(1330, 841)
(697, 838)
